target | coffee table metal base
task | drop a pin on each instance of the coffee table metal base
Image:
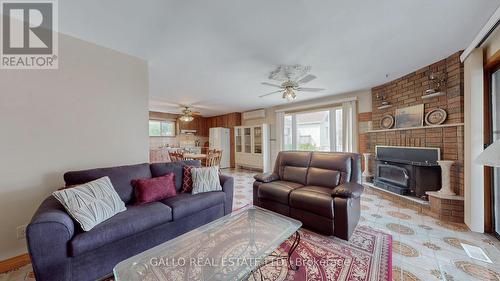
(274, 258)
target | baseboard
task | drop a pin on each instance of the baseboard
(14, 263)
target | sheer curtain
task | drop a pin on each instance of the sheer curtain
(280, 121)
(349, 126)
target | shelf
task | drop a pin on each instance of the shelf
(417, 128)
(433, 95)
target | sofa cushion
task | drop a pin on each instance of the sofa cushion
(314, 199)
(121, 178)
(292, 166)
(161, 169)
(135, 219)
(91, 203)
(323, 177)
(186, 204)
(155, 189)
(205, 180)
(339, 162)
(277, 191)
(187, 179)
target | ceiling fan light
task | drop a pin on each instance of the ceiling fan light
(289, 95)
(186, 118)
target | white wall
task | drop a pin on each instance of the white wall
(473, 173)
(91, 112)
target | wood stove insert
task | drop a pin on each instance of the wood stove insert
(407, 170)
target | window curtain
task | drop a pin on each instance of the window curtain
(349, 126)
(280, 124)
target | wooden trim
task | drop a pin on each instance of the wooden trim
(487, 139)
(14, 263)
(492, 63)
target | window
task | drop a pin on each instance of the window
(159, 128)
(319, 130)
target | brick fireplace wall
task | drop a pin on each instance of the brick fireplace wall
(407, 91)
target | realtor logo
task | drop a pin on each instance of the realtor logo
(29, 35)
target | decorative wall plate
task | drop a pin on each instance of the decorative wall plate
(435, 117)
(387, 122)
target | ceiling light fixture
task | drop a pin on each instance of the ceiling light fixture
(289, 94)
(186, 118)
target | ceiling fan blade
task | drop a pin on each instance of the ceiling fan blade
(265, 95)
(310, 89)
(272, 85)
(306, 79)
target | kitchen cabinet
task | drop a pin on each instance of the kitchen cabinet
(199, 124)
(203, 124)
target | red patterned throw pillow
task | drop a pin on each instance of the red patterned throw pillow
(155, 189)
(187, 179)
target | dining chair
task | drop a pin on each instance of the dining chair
(213, 158)
(176, 156)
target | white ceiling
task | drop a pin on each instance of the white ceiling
(214, 54)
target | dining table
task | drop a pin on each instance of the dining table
(194, 156)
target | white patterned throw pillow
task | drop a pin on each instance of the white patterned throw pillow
(205, 179)
(91, 203)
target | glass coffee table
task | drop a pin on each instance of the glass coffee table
(230, 248)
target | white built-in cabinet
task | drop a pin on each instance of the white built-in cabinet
(251, 145)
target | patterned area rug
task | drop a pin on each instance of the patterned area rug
(367, 256)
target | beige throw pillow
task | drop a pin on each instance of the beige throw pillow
(91, 203)
(205, 179)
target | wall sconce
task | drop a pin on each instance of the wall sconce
(435, 83)
(385, 104)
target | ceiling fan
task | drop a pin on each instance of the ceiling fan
(188, 114)
(293, 76)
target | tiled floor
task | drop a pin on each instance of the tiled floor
(423, 248)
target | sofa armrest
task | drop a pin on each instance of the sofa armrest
(348, 190)
(47, 235)
(266, 177)
(227, 183)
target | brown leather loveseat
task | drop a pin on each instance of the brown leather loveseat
(321, 189)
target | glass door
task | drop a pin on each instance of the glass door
(257, 141)
(247, 139)
(237, 135)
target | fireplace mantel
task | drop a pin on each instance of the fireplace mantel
(416, 128)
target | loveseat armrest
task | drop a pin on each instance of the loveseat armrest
(227, 184)
(348, 190)
(48, 234)
(266, 177)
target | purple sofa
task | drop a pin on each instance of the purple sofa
(60, 250)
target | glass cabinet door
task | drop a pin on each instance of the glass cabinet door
(257, 133)
(238, 141)
(247, 134)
